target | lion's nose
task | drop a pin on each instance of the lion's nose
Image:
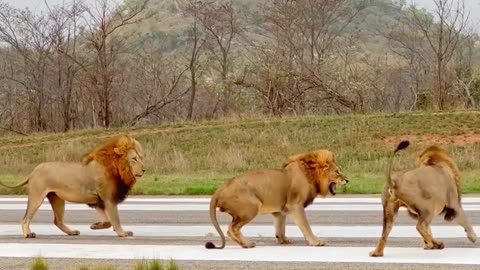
(346, 181)
(143, 170)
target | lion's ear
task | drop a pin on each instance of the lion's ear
(119, 151)
(324, 166)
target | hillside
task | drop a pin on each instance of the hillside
(194, 158)
(168, 24)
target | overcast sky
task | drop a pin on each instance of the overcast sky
(472, 5)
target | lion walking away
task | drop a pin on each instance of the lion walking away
(102, 181)
(433, 188)
(282, 193)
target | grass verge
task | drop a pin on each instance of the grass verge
(193, 159)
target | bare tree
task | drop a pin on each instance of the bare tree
(64, 36)
(444, 33)
(221, 25)
(197, 46)
(306, 35)
(103, 22)
(156, 82)
(27, 34)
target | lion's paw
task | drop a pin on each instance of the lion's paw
(284, 241)
(100, 225)
(317, 243)
(30, 235)
(434, 245)
(249, 244)
(376, 253)
(125, 234)
(74, 232)
(472, 237)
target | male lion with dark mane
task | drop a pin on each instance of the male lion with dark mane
(102, 181)
(278, 192)
(433, 188)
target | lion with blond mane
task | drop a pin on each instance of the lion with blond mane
(433, 188)
(278, 192)
(102, 180)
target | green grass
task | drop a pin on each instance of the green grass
(155, 265)
(194, 158)
(39, 264)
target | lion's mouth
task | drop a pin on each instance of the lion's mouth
(332, 188)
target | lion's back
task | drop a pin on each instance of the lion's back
(61, 172)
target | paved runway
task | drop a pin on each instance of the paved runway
(177, 228)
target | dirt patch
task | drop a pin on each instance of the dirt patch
(458, 140)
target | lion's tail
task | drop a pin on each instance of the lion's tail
(23, 183)
(213, 218)
(402, 145)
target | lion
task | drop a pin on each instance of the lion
(433, 188)
(102, 181)
(278, 192)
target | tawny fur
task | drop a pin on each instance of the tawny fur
(102, 181)
(434, 155)
(278, 192)
(431, 189)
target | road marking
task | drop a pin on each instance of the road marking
(331, 231)
(205, 207)
(339, 199)
(234, 253)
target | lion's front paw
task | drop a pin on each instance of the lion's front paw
(282, 240)
(317, 243)
(472, 237)
(74, 232)
(100, 225)
(249, 244)
(376, 253)
(434, 245)
(438, 245)
(125, 234)
(30, 235)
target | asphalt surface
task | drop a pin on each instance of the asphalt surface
(132, 218)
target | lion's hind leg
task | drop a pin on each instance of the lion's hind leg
(390, 211)
(462, 220)
(58, 206)
(245, 212)
(423, 227)
(34, 202)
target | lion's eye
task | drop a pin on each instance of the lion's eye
(135, 158)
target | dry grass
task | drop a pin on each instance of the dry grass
(191, 158)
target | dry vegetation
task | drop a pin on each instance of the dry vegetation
(40, 263)
(195, 158)
(150, 62)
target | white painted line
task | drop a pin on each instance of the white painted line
(204, 207)
(328, 200)
(459, 256)
(249, 231)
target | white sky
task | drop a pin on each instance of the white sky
(39, 5)
(472, 5)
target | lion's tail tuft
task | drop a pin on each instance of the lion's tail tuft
(402, 145)
(213, 218)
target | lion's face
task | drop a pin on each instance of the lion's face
(335, 178)
(136, 163)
